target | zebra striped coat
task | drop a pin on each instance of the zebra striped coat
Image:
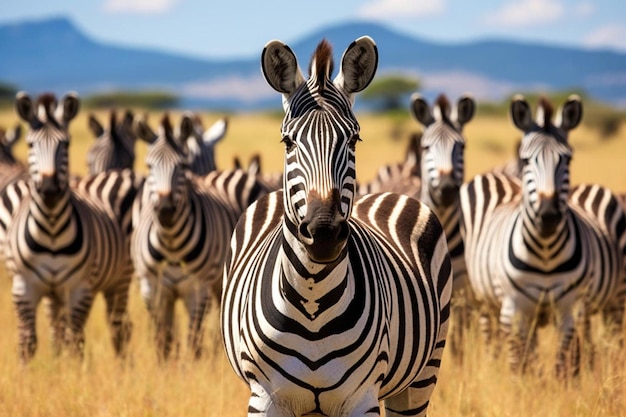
(330, 304)
(114, 147)
(536, 250)
(180, 236)
(439, 157)
(59, 244)
(10, 168)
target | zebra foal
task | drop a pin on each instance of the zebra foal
(537, 248)
(333, 303)
(58, 242)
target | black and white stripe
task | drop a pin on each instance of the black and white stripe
(536, 248)
(11, 169)
(114, 147)
(181, 229)
(60, 244)
(201, 144)
(332, 304)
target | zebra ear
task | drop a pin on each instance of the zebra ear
(255, 165)
(95, 126)
(216, 132)
(13, 135)
(571, 113)
(420, 110)
(465, 109)
(280, 68)
(358, 66)
(186, 129)
(68, 108)
(24, 108)
(521, 114)
(144, 132)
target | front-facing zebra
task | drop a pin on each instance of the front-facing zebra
(59, 243)
(539, 249)
(332, 304)
(182, 226)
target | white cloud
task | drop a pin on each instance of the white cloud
(139, 6)
(526, 13)
(609, 36)
(401, 8)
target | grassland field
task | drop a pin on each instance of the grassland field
(482, 386)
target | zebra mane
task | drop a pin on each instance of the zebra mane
(544, 112)
(112, 120)
(442, 105)
(170, 139)
(47, 102)
(321, 66)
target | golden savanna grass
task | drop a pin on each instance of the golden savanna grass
(481, 387)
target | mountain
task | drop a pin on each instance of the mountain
(54, 55)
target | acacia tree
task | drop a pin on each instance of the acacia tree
(389, 92)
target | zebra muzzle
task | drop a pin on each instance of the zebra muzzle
(323, 231)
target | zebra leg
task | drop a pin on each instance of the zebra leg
(58, 322)
(414, 400)
(79, 305)
(613, 319)
(514, 328)
(116, 299)
(163, 316)
(196, 303)
(26, 297)
(568, 357)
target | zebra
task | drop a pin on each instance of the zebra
(272, 181)
(201, 144)
(181, 229)
(433, 172)
(331, 303)
(11, 169)
(60, 244)
(537, 248)
(114, 147)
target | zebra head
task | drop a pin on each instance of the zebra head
(442, 147)
(114, 147)
(7, 141)
(168, 166)
(320, 132)
(201, 143)
(48, 143)
(545, 156)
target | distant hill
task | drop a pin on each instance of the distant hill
(54, 55)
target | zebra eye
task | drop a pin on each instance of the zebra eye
(353, 140)
(288, 142)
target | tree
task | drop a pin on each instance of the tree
(7, 93)
(389, 92)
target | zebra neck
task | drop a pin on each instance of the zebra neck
(549, 250)
(314, 289)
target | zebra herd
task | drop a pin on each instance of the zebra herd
(333, 295)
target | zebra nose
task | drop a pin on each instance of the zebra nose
(165, 209)
(549, 214)
(323, 231)
(49, 189)
(449, 190)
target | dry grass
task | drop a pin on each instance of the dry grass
(481, 387)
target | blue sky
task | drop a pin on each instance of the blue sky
(238, 28)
